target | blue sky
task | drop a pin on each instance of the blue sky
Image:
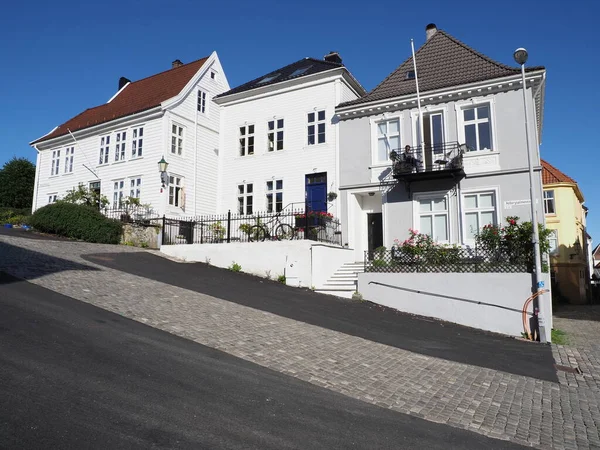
(59, 58)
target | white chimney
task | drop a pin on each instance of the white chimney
(430, 30)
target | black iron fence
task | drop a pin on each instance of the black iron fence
(449, 259)
(132, 214)
(258, 227)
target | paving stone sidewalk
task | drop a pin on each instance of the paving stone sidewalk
(497, 404)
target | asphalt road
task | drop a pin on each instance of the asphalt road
(74, 376)
(362, 319)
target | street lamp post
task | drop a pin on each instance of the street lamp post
(520, 56)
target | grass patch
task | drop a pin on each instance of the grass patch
(559, 337)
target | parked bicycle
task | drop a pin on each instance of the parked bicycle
(277, 230)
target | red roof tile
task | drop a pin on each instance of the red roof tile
(138, 96)
(551, 175)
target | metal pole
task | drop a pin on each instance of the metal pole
(229, 226)
(535, 236)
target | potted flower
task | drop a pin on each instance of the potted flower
(315, 218)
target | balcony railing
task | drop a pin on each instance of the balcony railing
(428, 161)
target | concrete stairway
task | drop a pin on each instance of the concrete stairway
(344, 281)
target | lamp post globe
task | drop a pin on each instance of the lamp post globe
(520, 56)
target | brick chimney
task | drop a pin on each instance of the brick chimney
(176, 63)
(430, 30)
(333, 57)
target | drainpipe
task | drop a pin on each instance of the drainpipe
(196, 160)
(460, 216)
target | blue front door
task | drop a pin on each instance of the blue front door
(316, 192)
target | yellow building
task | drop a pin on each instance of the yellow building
(566, 216)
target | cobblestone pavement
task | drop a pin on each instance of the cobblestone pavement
(497, 404)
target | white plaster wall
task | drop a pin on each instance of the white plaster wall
(504, 289)
(289, 257)
(326, 260)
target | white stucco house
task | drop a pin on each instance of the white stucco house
(114, 148)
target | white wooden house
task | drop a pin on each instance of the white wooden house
(115, 147)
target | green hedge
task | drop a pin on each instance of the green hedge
(77, 222)
(6, 214)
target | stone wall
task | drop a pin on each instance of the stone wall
(140, 236)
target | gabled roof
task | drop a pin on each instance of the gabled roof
(551, 175)
(289, 72)
(443, 61)
(136, 97)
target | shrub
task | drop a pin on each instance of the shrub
(235, 267)
(18, 220)
(8, 213)
(76, 222)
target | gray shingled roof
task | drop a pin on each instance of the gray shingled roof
(443, 61)
(288, 72)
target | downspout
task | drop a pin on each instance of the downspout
(460, 215)
(195, 160)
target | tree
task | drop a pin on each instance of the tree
(85, 196)
(17, 179)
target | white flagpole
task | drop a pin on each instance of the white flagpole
(412, 45)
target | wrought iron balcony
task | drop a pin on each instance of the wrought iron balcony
(428, 161)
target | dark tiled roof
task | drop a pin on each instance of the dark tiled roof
(286, 73)
(443, 61)
(138, 96)
(551, 175)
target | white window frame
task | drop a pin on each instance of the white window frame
(244, 139)
(315, 123)
(460, 106)
(135, 187)
(548, 200)
(137, 142)
(375, 138)
(271, 191)
(202, 103)
(554, 237)
(104, 149)
(480, 190)
(273, 134)
(55, 167)
(118, 192)
(417, 197)
(242, 198)
(52, 198)
(120, 139)
(69, 153)
(176, 196)
(177, 133)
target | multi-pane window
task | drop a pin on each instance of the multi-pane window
(55, 168)
(135, 187)
(247, 140)
(245, 198)
(478, 131)
(104, 149)
(479, 210)
(553, 242)
(274, 195)
(120, 146)
(549, 205)
(433, 218)
(202, 102)
(118, 192)
(275, 135)
(176, 191)
(316, 127)
(137, 142)
(176, 139)
(52, 198)
(69, 153)
(388, 139)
